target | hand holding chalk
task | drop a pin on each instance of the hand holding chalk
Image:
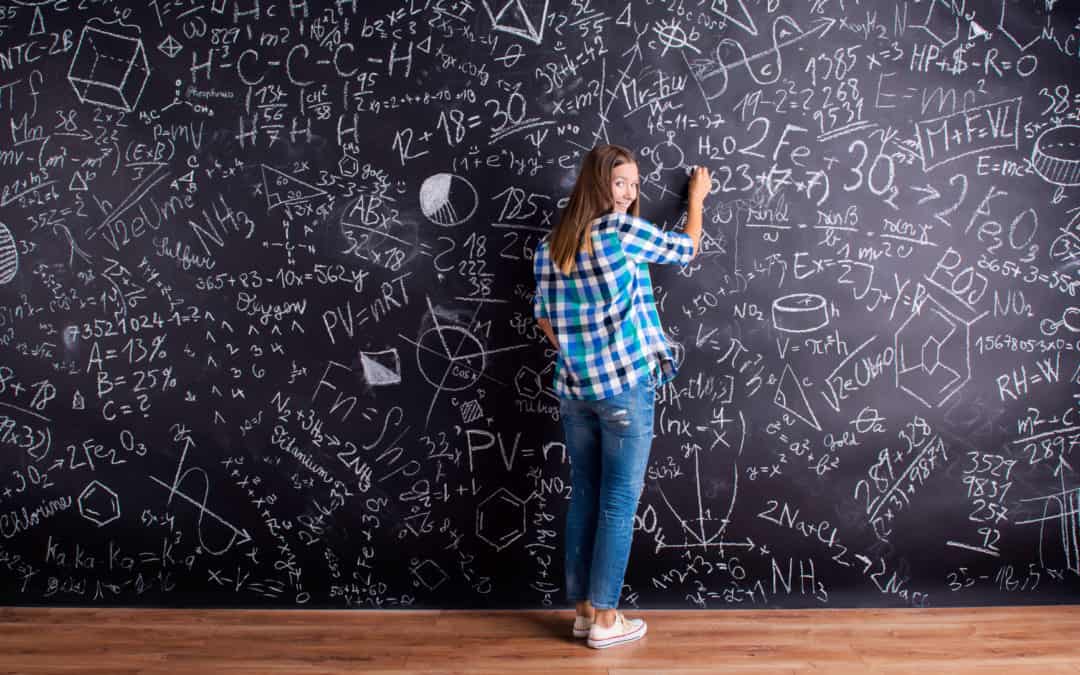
(700, 182)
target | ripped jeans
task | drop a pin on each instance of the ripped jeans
(608, 442)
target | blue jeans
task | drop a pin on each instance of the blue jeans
(608, 443)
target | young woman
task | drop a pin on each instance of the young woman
(594, 301)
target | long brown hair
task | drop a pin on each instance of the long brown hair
(590, 198)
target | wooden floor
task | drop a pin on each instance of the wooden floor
(834, 641)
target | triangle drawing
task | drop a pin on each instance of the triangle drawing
(281, 188)
(513, 18)
(78, 183)
(381, 368)
(37, 25)
(736, 15)
(791, 397)
(975, 30)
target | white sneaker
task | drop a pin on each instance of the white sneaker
(622, 631)
(582, 624)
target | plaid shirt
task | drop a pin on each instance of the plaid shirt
(603, 313)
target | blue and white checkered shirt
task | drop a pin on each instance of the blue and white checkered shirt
(603, 313)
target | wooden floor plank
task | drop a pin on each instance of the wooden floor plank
(985, 640)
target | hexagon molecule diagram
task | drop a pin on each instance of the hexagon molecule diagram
(932, 351)
(500, 519)
(99, 504)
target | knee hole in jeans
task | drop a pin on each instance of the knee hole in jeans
(621, 417)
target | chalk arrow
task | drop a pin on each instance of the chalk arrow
(700, 339)
(930, 192)
(823, 22)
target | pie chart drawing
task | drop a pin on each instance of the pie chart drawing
(447, 199)
(9, 255)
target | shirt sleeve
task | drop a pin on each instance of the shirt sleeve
(539, 308)
(539, 311)
(645, 242)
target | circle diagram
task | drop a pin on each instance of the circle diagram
(1071, 318)
(1056, 155)
(450, 358)
(800, 313)
(445, 197)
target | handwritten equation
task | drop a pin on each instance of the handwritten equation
(266, 284)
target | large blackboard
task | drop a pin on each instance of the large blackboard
(265, 299)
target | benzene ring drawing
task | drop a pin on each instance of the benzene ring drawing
(500, 519)
(933, 359)
(99, 504)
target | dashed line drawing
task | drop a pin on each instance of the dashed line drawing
(109, 69)
(1056, 155)
(444, 197)
(9, 255)
(800, 313)
(523, 18)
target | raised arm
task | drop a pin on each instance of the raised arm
(700, 182)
